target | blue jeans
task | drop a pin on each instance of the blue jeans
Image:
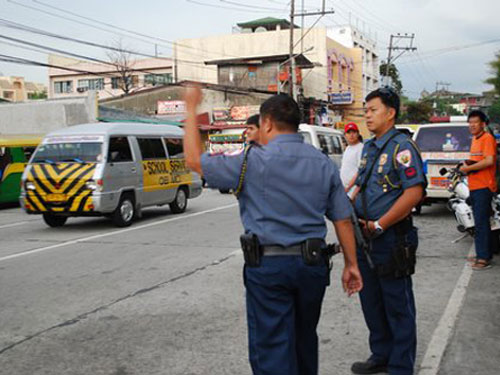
(481, 209)
(284, 299)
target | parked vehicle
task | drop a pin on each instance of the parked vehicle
(442, 146)
(331, 141)
(15, 151)
(110, 169)
(459, 202)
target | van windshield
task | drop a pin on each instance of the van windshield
(69, 153)
(444, 138)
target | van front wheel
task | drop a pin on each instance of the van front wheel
(54, 221)
(124, 213)
(179, 204)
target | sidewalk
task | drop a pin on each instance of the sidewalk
(474, 347)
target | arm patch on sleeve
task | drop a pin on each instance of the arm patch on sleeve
(410, 172)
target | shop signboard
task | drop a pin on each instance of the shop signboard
(171, 107)
(340, 97)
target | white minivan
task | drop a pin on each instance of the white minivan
(441, 145)
(331, 141)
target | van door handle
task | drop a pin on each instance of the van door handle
(134, 170)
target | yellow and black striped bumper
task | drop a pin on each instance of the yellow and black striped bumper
(59, 188)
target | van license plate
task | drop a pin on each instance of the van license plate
(440, 182)
(56, 197)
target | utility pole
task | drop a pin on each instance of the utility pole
(292, 64)
(444, 85)
(292, 77)
(394, 47)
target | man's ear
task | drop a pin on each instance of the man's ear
(266, 124)
(391, 113)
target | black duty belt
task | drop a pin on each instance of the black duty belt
(276, 250)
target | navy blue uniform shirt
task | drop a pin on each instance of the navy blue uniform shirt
(289, 188)
(398, 168)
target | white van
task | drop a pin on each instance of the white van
(442, 145)
(110, 169)
(331, 141)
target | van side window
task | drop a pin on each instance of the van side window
(28, 151)
(323, 145)
(151, 148)
(119, 150)
(337, 146)
(175, 148)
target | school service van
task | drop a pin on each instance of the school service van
(108, 169)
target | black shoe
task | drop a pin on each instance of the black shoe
(368, 367)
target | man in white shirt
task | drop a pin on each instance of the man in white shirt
(351, 157)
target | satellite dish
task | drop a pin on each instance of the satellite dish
(260, 29)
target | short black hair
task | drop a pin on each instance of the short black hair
(254, 120)
(478, 113)
(283, 110)
(388, 96)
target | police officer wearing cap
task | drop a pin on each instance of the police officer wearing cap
(390, 182)
(286, 188)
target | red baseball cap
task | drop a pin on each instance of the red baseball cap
(351, 126)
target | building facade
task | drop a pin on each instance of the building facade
(351, 37)
(78, 76)
(16, 89)
(328, 74)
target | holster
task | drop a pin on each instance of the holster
(251, 249)
(404, 255)
(312, 252)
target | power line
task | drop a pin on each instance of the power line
(114, 27)
(71, 54)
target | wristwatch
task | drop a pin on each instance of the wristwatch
(378, 228)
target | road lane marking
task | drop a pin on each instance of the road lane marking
(441, 337)
(120, 231)
(13, 224)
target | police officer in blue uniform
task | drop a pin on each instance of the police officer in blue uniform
(391, 182)
(285, 189)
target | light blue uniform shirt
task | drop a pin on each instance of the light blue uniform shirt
(398, 168)
(289, 188)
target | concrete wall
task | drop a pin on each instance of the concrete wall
(43, 116)
(146, 102)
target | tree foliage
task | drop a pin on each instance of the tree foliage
(495, 71)
(393, 73)
(417, 112)
(494, 112)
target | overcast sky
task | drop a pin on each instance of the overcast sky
(439, 26)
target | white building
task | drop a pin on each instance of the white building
(351, 37)
(104, 78)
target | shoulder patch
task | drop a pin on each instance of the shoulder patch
(404, 158)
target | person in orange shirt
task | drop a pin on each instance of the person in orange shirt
(481, 170)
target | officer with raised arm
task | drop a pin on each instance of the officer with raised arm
(391, 182)
(285, 188)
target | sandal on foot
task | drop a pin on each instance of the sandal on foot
(481, 264)
(471, 259)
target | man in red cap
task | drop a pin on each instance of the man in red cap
(351, 157)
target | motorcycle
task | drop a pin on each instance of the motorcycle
(460, 202)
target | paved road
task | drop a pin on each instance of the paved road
(165, 296)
